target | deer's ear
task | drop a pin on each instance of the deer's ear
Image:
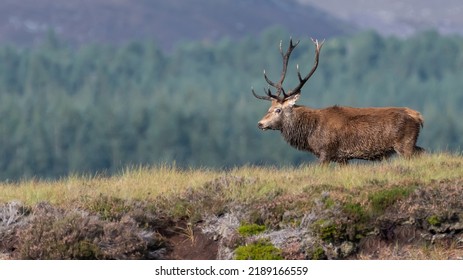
(291, 100)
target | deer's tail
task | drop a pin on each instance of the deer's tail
(415, 115)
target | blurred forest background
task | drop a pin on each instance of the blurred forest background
(99, 107)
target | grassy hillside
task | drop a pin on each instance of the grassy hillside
(396, 209)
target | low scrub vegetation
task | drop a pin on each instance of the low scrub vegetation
(260, 250)
(310, 212)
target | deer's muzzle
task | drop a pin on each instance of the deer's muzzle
(260, 125)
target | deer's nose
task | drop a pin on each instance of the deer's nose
(260, 125)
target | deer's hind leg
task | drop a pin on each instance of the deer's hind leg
(418, 150)
(405, 149)
(409, 149)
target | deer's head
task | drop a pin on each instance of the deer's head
(282, 101)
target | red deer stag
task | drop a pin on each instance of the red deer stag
(338, 134)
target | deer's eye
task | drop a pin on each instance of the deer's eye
(277, 110)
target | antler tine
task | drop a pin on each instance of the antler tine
(273, 96)
(298, 73)
(302, 81)
(258, 96)
(269, 82)
(269, 96)
(284, 94)
(315, 41)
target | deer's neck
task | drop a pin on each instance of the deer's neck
(298, 125)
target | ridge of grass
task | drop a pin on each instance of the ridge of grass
(244, 184)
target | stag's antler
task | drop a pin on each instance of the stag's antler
(318, 47)
(285, 56)
(302, 81)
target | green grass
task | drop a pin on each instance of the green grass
(259, 250)
(434, 220)
(250, 229)
(382, 199)
(243, 184)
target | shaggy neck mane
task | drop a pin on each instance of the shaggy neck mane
(298, 125)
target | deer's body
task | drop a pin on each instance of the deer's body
(340, 134)
(337, 133)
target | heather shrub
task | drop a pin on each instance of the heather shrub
(53, 233)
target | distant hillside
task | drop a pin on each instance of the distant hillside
(397, 17)
(26, 22)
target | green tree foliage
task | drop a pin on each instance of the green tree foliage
(99, 108)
